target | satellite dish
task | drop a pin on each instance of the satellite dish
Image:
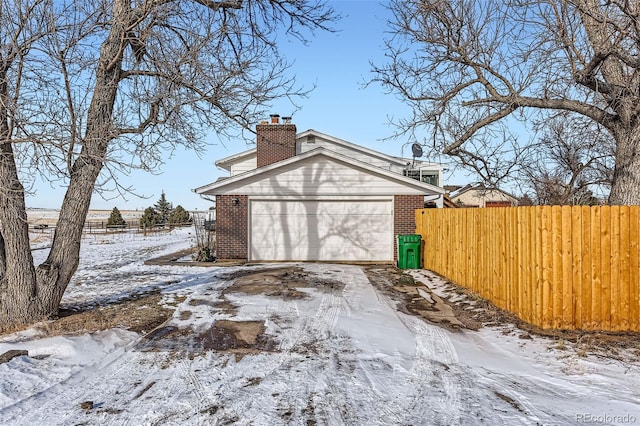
(417, 150)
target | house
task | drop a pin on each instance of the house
(478, 195)
(313, 197)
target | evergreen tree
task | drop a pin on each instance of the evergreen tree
(179, 216)
(115, 219)
(149, 218)
(163, 209)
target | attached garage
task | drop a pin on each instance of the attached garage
(315, 206)
(321, 229)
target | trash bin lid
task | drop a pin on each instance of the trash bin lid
(410, 238)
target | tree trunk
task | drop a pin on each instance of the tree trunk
(29, 294)
(17, 272)
(17, 277)
(625, 189)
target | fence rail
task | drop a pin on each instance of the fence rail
(97, 226)
(569, 267)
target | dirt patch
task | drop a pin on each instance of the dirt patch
(509, 401)
(237, 337)
(417, 299)
(140, 313)
(275, 282)
(281, 282)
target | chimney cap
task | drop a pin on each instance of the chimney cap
(286, 120)
(275, 118)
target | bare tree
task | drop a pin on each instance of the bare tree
(469, 69)
(91, 89)
(572, 159)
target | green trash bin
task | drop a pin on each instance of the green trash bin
(409, 251)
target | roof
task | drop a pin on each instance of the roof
(479, 186)
(319, 152)
(223, 162)
(355, 147)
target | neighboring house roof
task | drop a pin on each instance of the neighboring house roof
(478, 187)
(244, 179)
(488, 193)
(448, 203)
(452, 188)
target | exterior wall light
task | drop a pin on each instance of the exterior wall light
(235, 201)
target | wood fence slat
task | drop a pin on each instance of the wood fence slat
(536, 279)
(615, 268)
(596, 273)
(547, 265)
(514, 285)
(624, 270)
(576, 263)
(586, 287)
(634, 268)
(556, 287)
(605, 267)
(567, 276)
(501, 248)
(486, 286)
(527, 262)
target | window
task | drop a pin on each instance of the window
(430, 178)
(413, 174)
(426, 176)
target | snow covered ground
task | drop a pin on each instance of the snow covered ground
(328, 348)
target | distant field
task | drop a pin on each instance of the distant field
(50, 216)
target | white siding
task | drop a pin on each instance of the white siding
(244, 165)
(318, 176)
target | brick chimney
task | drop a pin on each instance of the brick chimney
(275, 141)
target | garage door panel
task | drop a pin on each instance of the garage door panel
(321, 230)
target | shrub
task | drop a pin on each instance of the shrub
(179, 216)
(150, 218)
(115, 219)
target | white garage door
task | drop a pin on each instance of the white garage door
(321, 230)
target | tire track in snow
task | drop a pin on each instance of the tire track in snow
(306, 324)
(434, 349)
(71, 391)
(434, 353)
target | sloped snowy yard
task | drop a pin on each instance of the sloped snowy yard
(294, 344)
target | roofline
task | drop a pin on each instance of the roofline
(327, 153)
(470, 187)
(220, 163)
(401, 161)
(397, 160)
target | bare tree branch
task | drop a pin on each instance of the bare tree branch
(469, 70)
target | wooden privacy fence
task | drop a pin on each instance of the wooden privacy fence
(569, 267)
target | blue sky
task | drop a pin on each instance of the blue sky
(338, 64)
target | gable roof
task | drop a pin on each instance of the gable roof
(397, 160)
(225, 163)
(318, 153)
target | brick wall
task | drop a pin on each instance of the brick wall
(275, 142)
(231, 227)
(404, 217)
